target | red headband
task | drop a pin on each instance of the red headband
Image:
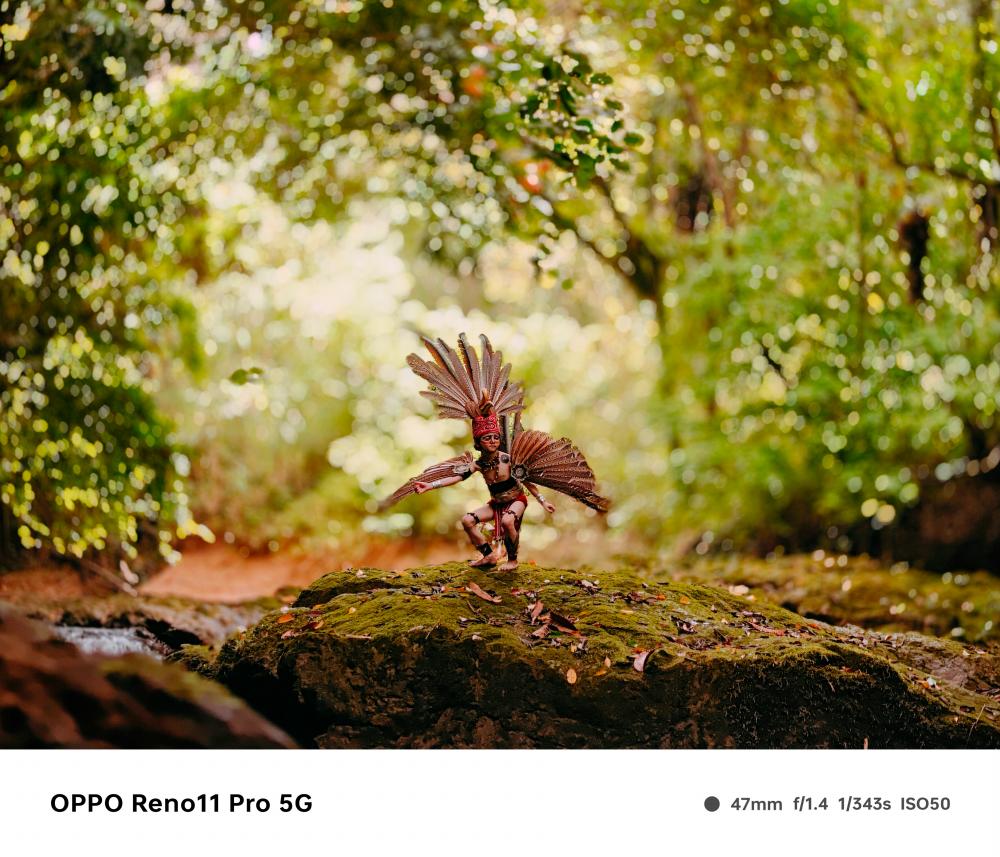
(490, 424)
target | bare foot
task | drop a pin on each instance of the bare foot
(490, 559)
(510, 565)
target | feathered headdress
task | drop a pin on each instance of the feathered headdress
(466, 385)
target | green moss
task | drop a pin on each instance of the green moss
(856, 591)
(414, 659)
(196, 659)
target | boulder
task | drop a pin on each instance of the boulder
(448, 656)
(52, 695)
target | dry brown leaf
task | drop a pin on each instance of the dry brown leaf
(571, 675)
(479, 592)
(639, 664)
(563, 623)
(601, 671)
(607, 662)
(352, 609)
(289, 633)
(685, 600)
(536, 611)
(541, 632)
(315, 624)
(286, 617)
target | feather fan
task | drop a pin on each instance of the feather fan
(466, 384)
(542, 460)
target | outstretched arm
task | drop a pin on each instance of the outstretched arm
(424, 487)
(545, 504)
(436, 476)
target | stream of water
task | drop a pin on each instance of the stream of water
(110, 642)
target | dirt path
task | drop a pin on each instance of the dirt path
(230, 574)
(226, 574)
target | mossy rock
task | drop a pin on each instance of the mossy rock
(415, 659)
(856, 590)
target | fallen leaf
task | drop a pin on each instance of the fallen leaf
(479, 592)
(541, 632)
(571, 675)
(629, 612)
(601, 671)
(289, 633)
(776, 631)
(287, 617)
(352, 609)
(563, 623)
(476, 637)
(536, 611)
(639, 664)
(685, 600)
(607, 662)
(318, 623)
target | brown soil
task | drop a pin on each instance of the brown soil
(50, 583)
(229, 574)
(232, 574)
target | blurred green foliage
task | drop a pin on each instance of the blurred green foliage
(117, 117)
(814, 217)
(774, 225)
(85, 458)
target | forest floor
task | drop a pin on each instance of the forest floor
(831, 588)
(222, 573)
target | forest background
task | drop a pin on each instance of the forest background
(743, 253)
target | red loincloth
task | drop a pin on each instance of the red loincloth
(501, 506)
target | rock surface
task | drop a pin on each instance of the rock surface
(52, 695)
(448, 656)
(857, 590)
